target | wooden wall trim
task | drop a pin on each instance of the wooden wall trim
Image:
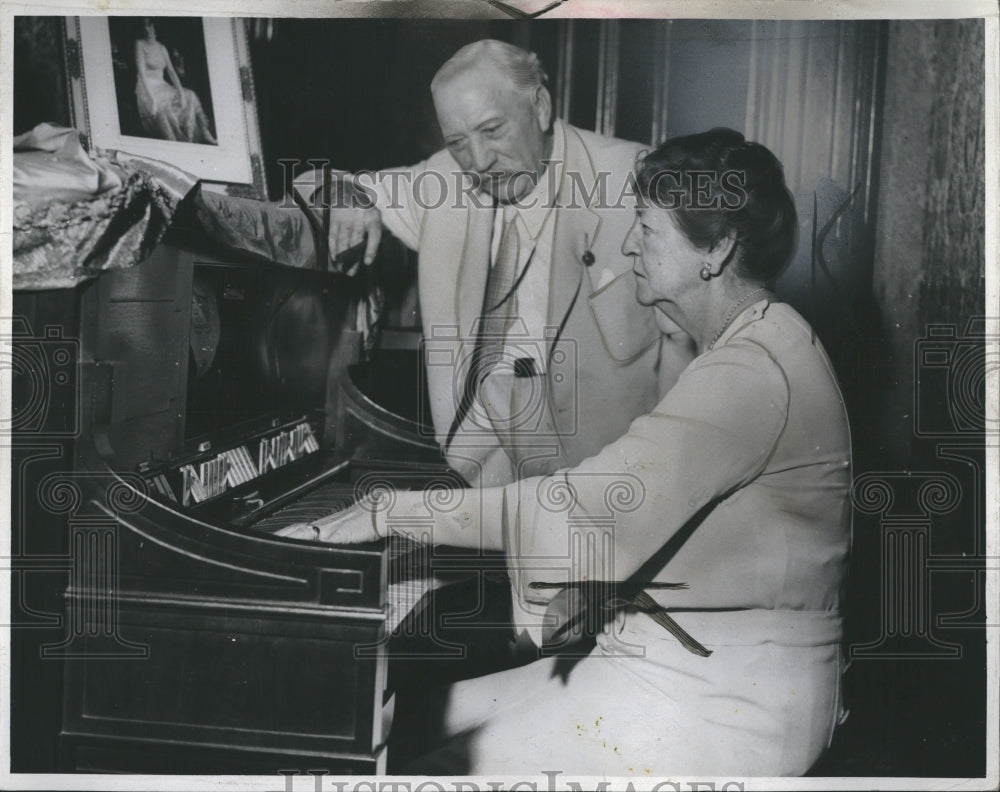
(564, 68)
(607, 77)
(661, 82)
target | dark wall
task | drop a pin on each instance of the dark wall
(954, 232)
(357, 92)
(929, 258)
(39, 82)
(917, 589)
(709, 76)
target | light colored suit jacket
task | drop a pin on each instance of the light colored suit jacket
(606, 359)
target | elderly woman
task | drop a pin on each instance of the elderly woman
(719, 524)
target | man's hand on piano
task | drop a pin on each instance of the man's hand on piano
(350, 526)
(355, 232)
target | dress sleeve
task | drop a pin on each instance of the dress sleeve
(712, 433)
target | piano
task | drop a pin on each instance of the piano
(220, 399)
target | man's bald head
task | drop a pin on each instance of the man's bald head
(522, 67)
(495, 114)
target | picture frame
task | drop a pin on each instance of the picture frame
(194, 106)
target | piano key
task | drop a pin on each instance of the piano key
(409, 581)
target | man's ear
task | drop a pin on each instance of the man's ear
(542, 101)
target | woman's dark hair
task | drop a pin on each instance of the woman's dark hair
(716, 183)
(139, 26)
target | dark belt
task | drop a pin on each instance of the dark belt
(612, 597)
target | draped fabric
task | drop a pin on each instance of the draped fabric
(76, 216)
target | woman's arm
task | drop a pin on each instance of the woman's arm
(461, 517)
(170, 69)
(603, 519)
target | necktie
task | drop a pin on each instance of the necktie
(500, 301)
(499, 310)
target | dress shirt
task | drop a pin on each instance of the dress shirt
(534, 220)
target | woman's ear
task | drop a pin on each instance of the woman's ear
(719, 256)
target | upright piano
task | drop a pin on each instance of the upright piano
(221, 399)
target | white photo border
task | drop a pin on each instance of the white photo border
(235, 165)
(731, 9)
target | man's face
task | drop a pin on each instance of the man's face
(495, 130)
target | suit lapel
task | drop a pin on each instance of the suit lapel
(575, 233)
(474, 269)
(451, 289)
(470, 286)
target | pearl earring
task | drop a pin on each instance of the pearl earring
(706, 273)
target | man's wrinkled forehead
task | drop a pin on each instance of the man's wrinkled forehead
(484, 77)
(474, 94)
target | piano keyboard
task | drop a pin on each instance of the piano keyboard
(408, 576)
(320, 502)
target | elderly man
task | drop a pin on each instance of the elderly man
(537, 353)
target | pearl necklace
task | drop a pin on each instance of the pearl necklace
(731, 313)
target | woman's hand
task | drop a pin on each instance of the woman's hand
(350, 526)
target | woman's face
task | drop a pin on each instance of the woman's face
(667, 266)
(148, 26)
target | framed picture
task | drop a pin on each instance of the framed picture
(175, 89)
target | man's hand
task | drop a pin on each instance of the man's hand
(355, 220)
(349, 526)
(348, 227)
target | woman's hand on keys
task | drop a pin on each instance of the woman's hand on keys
(350, 526)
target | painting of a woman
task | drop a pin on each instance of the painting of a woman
(167, 110)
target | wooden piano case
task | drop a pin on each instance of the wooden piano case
(196, 642)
